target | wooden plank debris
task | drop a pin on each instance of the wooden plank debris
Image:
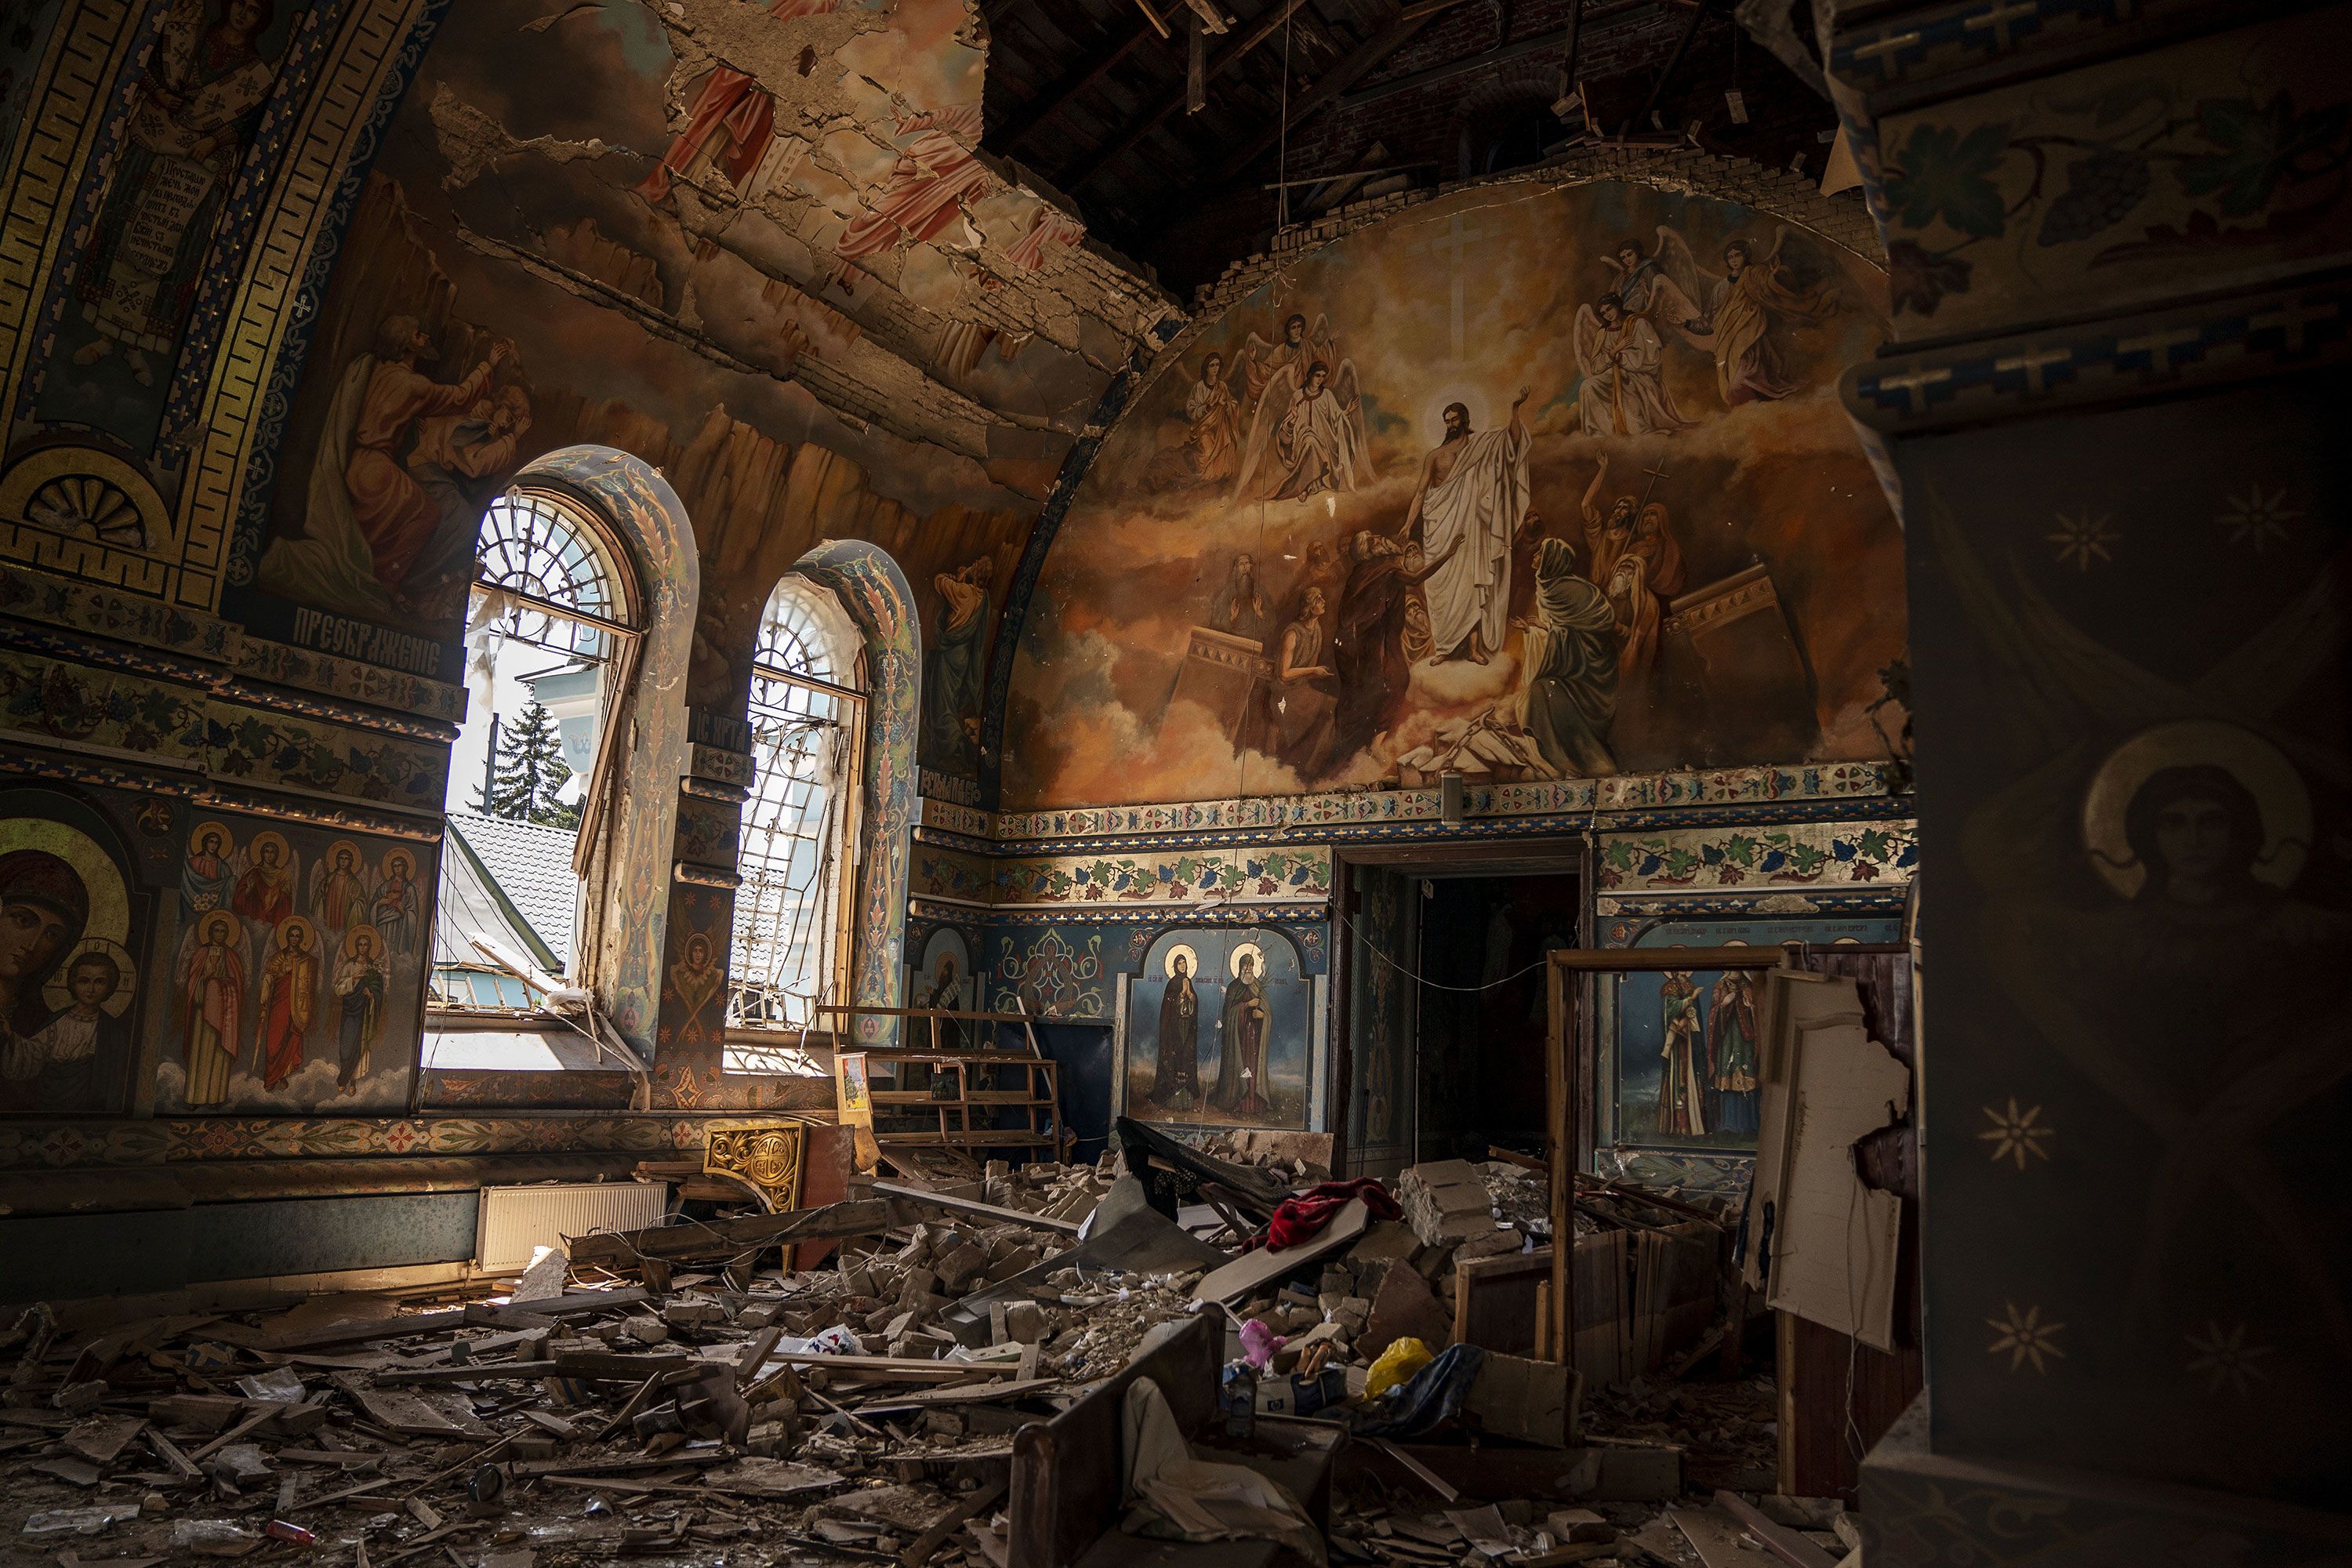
(973, 1208)
(1777, 1539)
(728, 1238)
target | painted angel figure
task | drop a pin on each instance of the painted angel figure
(1315, 423)
(1260, 362)
(1624, 363)
(1648, 290)
(1317, 444)
(1743, 305)
(338, 890)
(209, 1003)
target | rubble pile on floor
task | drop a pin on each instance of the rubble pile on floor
(672, 1394)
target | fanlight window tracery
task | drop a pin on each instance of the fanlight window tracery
(543, 579)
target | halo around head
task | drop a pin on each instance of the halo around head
(270, 835)
(292, 923)
(2278, 790)
(1253, 952)
(101, 879)
(1182, 950)
(210, 829)
(351, 939)
(59, 993)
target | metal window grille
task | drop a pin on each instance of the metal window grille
(806, 717)
(543, 578)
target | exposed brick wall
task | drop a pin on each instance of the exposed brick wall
(1842, 219)
(1619, 60)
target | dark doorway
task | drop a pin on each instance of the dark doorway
(1481, 1009)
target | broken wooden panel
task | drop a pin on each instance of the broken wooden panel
(1822, 1243)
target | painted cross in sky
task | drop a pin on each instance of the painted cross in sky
(1452, 244)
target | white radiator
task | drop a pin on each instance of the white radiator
(516, 1221)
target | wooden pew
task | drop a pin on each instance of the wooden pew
(1069, 1474)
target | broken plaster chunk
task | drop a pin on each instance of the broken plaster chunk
(958, 1267)
(1025, 1322)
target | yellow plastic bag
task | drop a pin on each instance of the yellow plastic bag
(1396, 1365)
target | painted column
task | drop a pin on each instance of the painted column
(2111, 414)
(875, 593)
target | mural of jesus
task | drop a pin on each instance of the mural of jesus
(1472, 498)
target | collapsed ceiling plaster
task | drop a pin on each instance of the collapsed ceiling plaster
(856, 242)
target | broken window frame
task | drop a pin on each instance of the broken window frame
(798, 694)
(594, 616)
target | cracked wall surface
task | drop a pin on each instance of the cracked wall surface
(754, 244)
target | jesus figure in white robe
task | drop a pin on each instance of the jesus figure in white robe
(1473, 490)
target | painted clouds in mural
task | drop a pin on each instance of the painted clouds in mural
(1534, 483)
(295, 978)
(69, 979)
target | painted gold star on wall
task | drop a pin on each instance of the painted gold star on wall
(2024, 1337)
(2225, 1359)
(2255, 519)
(2017, 1134)
(2084, 538)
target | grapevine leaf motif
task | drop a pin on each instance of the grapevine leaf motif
(1920, 278)
(1941, 173)
(2254, 146)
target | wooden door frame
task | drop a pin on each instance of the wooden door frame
(1569, 856)
(1569, 1073)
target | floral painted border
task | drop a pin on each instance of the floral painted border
(33, 1145)
(285, 665)
(2160, 172)
(256, 748)
(106, 611)
(1767, 859)
(1633, 792)
(83, 705)
(1242, 874)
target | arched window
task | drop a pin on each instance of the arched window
(553, 635)
(808, 719)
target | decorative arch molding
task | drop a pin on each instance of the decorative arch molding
(875, 593)
(1844, 222)
(622, 938)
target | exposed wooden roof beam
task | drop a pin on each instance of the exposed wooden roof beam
(1364, 59)
(1086, 165)
(1674, 63)
(1518, 49)
(1065, 89)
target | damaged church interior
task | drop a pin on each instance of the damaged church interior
(1169, 783)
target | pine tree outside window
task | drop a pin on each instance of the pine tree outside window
(550, 638)
(529, 780)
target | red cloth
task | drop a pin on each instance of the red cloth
(1302, 1216)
